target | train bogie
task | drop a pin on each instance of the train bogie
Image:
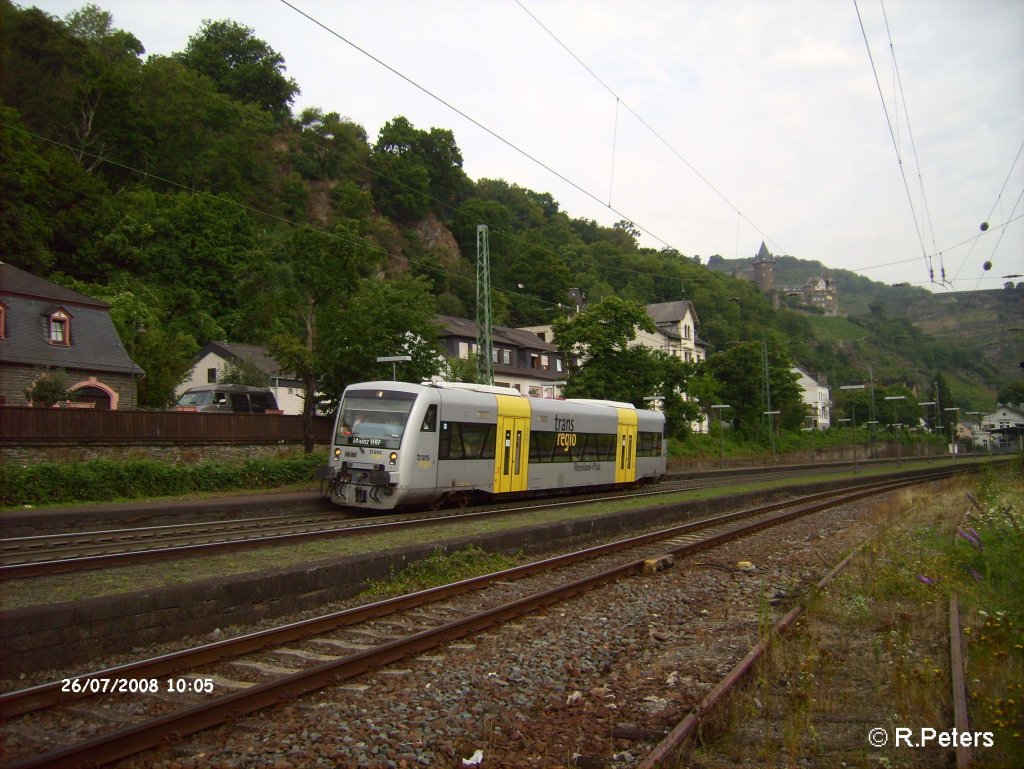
(398, 444)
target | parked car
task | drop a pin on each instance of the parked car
(228, 399)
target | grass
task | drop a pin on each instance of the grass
(873, 651)
(439, 569)
(836, 329)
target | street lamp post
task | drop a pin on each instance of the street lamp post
(894, 398)
(394, 360)
(721, 434)
(853, 414)
(929, 403)
(771, 430)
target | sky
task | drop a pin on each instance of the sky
(870, 136)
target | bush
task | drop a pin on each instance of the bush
(105, 480)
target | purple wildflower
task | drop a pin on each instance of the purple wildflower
(925, 580)
(973, 540)
(975, 573)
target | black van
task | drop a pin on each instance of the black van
(228, 399)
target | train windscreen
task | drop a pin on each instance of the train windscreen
(373, 418)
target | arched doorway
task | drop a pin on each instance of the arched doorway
(91, 391)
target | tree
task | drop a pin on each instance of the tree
(416, 171)
(244, 372)
(1011, 394)
(49, 389)
(241, 66)
(310, 276)
(203, 139)
(25, 228)
(609, 367)
(740, 372)
(379, 318)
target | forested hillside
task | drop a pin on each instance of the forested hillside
(185, 192)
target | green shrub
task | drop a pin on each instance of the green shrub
(104, 480)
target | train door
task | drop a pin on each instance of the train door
(625, 450)
(512, 451)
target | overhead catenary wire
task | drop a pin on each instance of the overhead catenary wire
(477, 123)
(896, 147)
(1002, 232)
(898, 85)
(650, 128)
(995, 204)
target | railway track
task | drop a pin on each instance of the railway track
(249, 673)
(48, 554)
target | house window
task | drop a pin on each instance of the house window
(60, 328)
(211, 375)
(558, 365)
(507, 357)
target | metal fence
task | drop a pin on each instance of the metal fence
(27, 425)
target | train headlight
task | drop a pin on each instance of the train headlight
(393, 456)
(337, 453)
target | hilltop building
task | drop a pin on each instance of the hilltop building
(764, 270)
(821, 292)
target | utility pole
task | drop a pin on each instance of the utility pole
(484, 330)
(766, 391)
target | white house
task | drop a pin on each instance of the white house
(1005, 425)
(214, 358)
(677, 331)
(816, 397)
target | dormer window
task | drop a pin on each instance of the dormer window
(60, 328)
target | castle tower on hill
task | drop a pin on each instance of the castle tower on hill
(764, 270)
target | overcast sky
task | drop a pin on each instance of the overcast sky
(737, 121)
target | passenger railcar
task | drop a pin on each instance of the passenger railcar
(398, 444)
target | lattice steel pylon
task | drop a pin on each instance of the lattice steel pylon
(484, 330)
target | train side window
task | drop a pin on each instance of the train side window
(430, 420)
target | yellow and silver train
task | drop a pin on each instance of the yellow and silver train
(397, 444)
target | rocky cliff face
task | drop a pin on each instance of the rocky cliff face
(438, 239)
